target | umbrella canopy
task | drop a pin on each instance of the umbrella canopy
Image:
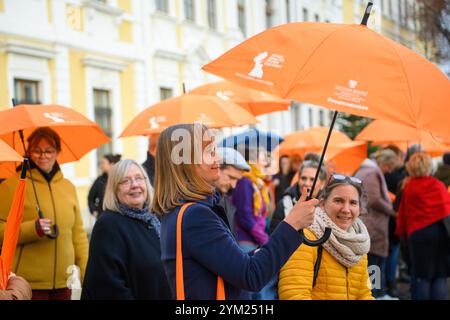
(310, 140)
(211, 111)
(343, 153)
(387, 132)
(254, 139)
(254, 101)
(12, 228)
(348, 68)
(78, 134)
(7, 153)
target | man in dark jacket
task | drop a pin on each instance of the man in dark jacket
(232, 166)
(306, 175)
(149, 164)
(443, 171)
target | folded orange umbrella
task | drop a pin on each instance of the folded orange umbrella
(78, 134)
(388, 132)
(12, 228)
(348, 68)
(254, 101)
(188, 108)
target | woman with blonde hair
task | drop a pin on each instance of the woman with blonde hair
(209, 263)
(124, 255)
(424, 205)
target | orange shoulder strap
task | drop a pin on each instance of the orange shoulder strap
(179, 275)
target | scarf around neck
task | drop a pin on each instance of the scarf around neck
(141, 215)
(347, 247)
(260, 194)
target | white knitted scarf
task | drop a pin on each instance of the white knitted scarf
(348, 247)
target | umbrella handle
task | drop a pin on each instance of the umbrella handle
(318, 242)
(55, 234)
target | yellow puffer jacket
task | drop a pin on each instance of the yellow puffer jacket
(41, 261)
(334, 281)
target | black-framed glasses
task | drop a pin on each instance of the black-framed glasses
(341, 177)
(47, 153)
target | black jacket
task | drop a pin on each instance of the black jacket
(96, 194)
(149, 166)
(279, 214)
(124, 261)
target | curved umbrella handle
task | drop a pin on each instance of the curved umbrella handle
(55, 234)
(318, 242)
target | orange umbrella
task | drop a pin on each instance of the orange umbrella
(78, 134)
(387, 132)
(346, 155)
(254, 101)
(189, 108)
(12, 227)
(348, 68)
(7, 154)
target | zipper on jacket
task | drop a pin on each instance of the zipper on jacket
(55, 255)
(348, 284)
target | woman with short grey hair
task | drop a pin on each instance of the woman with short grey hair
(125, 254)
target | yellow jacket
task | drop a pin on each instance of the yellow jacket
(334, 281)
(41, 261)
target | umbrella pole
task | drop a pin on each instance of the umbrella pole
(27, 162)
(327, 231)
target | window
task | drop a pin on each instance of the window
(189, 10)
(288, 11)
(305, 14)
(26, 91)
(316, 17)
(269, 14)
(103, 117)
(212, 14)
(165, 93)
(321, 117)
(162, 5)
(241, 16)
(310, 116)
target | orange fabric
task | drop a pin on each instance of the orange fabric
(190, 108)
(388, 132)
(254, 101)
(78, 134)
(346, 154)
(11, 234)
(7, 154)
(344, 67)
(179, 274)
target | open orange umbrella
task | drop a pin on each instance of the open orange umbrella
(348, 68)
(254, 101)
(387, 132)
(188, 108)
(12, 227)
(78, 134)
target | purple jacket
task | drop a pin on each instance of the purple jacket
(248, 226)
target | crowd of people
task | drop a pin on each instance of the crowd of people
(225, 228)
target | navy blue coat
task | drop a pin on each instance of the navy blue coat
(209, 249)
(124, 261)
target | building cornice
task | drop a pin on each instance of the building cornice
(28, 50)
(102, 63)
(170, 55)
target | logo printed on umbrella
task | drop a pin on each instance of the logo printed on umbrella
(349, 96)
(155, 121)
(352, 83)
(223, 95)
(54, 116)
(257, 70)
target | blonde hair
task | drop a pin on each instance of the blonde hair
(419, 165)
(387, 157)
(178, 182)
(115, 176)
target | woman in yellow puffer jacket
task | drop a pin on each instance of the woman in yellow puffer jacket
(340, 271)
(44, 262)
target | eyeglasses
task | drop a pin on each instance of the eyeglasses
(47, 153)
(128, 181)
(340, 177)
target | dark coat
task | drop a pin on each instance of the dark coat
(96, 194)
(209, 249)
(124, 261)
(288, 200)
(149, 166)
